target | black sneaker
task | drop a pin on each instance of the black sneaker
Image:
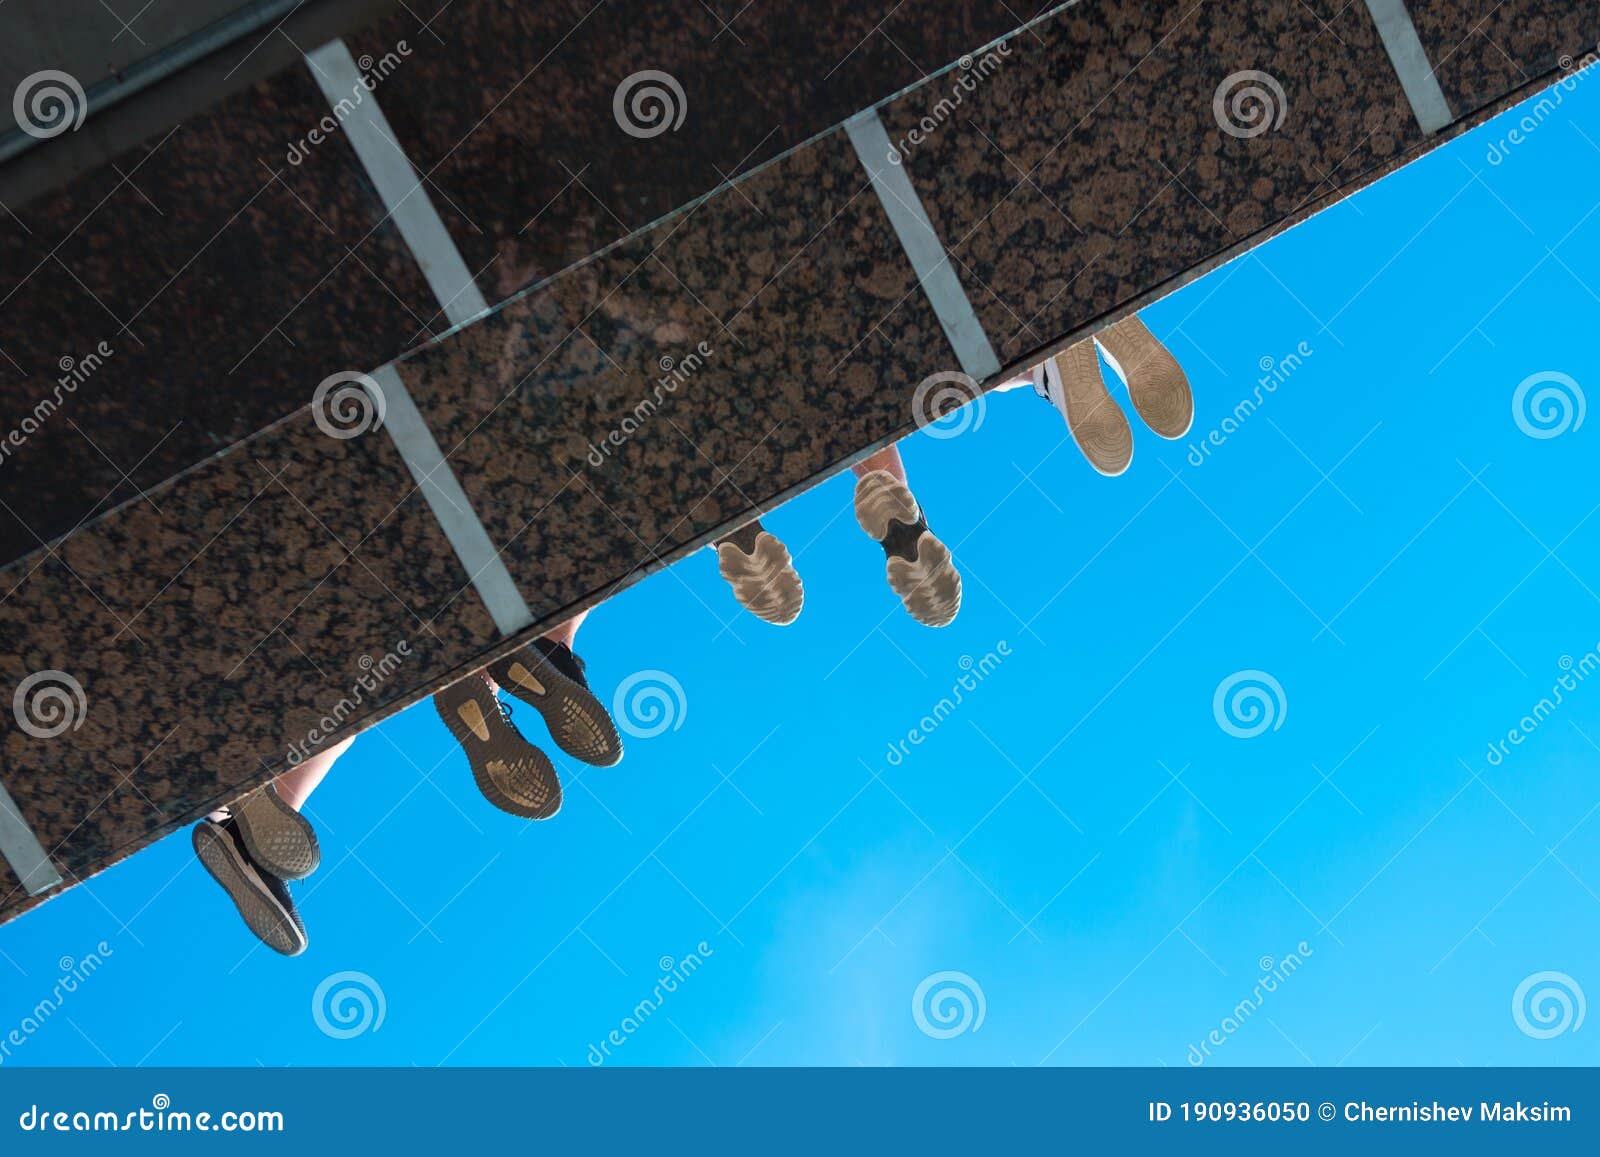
(277, 837)
(549, 677)
(758, 568)
(262, 899)
(919, 567)
(512, 773)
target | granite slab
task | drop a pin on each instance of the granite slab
(1059, 209)
(607, 421)
(202, 636)
(512, 111)
(1481, 49)
(720, 357)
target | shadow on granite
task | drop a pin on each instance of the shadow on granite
(196, 291)
(510, 108)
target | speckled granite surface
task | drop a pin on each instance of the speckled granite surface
(511, 112)
(1481, 48)
(813, 340)
(225, 284)
(1058, 210)
(776, 284)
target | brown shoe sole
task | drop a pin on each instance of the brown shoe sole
(275, 926)
(1096, 422)
(1156, 382)
(277, 837)
(578, 722)
(512, 773)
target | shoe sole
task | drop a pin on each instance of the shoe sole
(272, 924)
(511, 773)
(764, 581)
(928, 585)
(1156, 382)
(276, 836)
(578, 722)
(1096, 422)
(882, 498)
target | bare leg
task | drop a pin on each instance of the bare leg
(297, 785)
(567, 632)
(886, 459)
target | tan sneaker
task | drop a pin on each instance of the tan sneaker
(758, 568)
(919, 567)
(1156, 382)
(277, 837)
(1098, 425)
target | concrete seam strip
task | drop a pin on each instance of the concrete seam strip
(452, 283)
(922, 245)
(448, 501)
(22, 850)
(1411, 63)
(397, 181)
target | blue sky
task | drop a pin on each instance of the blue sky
(1380, 536)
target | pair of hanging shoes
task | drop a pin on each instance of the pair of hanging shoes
(1155, 382)
(919, 567)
